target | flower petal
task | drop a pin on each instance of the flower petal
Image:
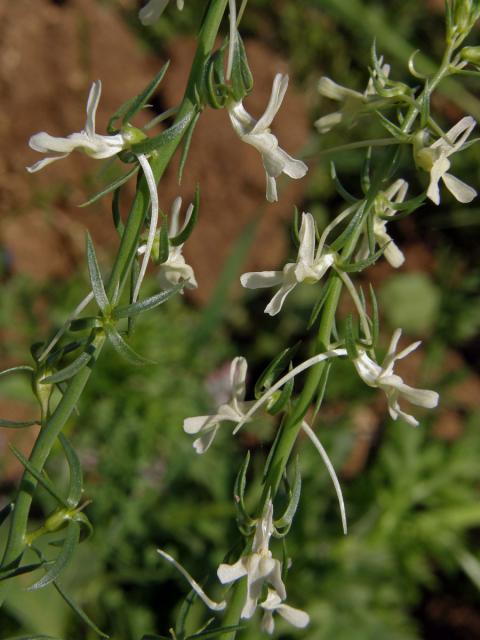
(297, 617)
(228, 573)
(238, 375)
(306, 250)
(276, 303)
(45, 143)
(261, 279)
(459, 190)
(200, 423)
(36, 166)
(438, 170)
(92, 104)
(279, 88)
(152, 11)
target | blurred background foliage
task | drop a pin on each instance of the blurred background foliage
(410, 565)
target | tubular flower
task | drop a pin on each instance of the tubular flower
(91, 143)
(383, 207)
(383, 377)
(435, 160)
(232, 411)
(152, 11)
(273, 604)
(309, 268)
(257, 133)
(258, 566)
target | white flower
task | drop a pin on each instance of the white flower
(383, 377)
(350, 98)
(91, 143)
(435, 160)
(394, 194)
(232, 411)
(175, 269)
(258, 566)
(257, 133)
(152, 11)
(309, 268)
(273, 604)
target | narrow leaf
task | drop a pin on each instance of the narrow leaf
(79, 611)
(40, 477)
(355, 267)
(147, 304)
(319, 304)
(163, 242)
(147, 146)
(95, 276)
(27, 568)
(350, 228)
(116, 213)
(112, 186)
(346, 195)
(283, 398)
(22, 367)
(186, 146)
(5, 512)
(139, 102)
(15, 424)
(183, 613)
(322, 386)
(76, 477)
(71, 541)
(72, 369)
(375, 316)
(215, 633)
(119, 344)
(286, 519)
(274, 369)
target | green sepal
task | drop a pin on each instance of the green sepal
(17, 424)
(185, 233)
(147, 146)
(6, 511)
(242, 78)
(319, 304)
(140, 101)
(75, 487)
(283, 398)
(186, 146)
(122, 348)
(214, 633)
(95, 276)
(116, 213)
(79, 611)
(346, 195)
(118, 182)
(274, 369)
(72, 369)
(216, 89)
(68, 549)
(355, 267)
(285, 521)
(296, 228)
(86, 528)
(39, 477)
(350, 338)
(147, 304)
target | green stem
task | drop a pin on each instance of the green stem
(16, 542)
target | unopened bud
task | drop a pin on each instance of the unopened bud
(471, 54)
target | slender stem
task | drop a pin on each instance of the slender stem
(53, 426)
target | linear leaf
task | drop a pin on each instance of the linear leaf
(147, 304)
(286, 519)
(95, 276)
(186, 146)
(139, 102)
(71, 541)
(116, 214)
(5, 512)
(355, 267)
(72, 369)
(79, 611)
(147, 146)
(119, 344)
(76, 477)
(16, 424)
(274, 369)
(40, 477)
(214, 633)
(111, 187)
(22, 367)
(350, 228)
(27, 568)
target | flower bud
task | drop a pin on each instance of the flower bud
(471, 54)
(423, 155)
